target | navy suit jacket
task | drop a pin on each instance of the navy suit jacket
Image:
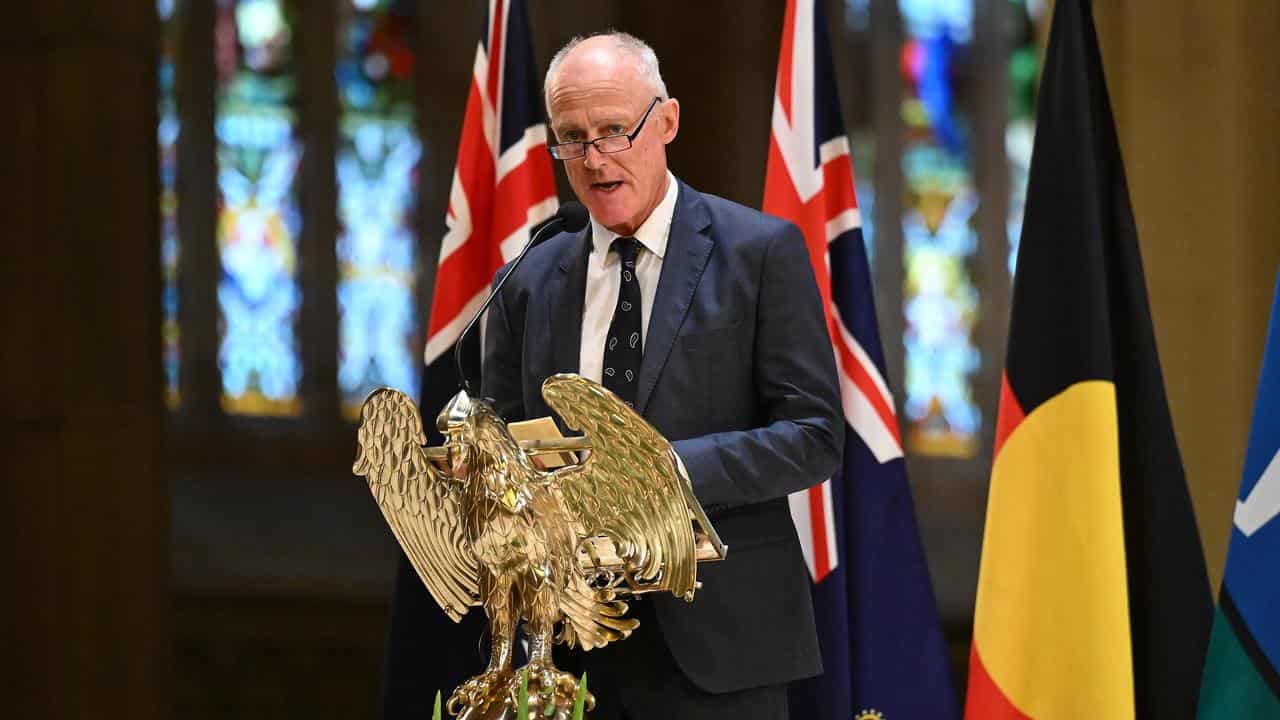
(738, 373)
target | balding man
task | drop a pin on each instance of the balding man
(705, 315)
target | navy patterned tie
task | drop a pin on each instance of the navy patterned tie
(622, 347)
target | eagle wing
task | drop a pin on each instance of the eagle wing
(593, 617)
(629, 488)
(422, 507)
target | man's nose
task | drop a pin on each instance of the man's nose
(594, 159)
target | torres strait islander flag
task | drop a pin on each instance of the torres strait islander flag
(1093, 600)
(882, 645)
(1242, 672)
(502, 186)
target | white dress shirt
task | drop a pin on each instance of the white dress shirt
(604, 281)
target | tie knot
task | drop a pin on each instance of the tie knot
(627, 249)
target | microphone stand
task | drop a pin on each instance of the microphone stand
(555, 223)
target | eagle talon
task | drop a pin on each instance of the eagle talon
(548, 686)
(479, 693)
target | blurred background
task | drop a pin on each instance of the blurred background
(221, 230)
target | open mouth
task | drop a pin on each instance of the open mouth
(607, 187)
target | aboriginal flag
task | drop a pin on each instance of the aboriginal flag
(1093, 600)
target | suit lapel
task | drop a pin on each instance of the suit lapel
(564, 306)
(688, 249)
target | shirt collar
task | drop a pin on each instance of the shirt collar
(652, 233)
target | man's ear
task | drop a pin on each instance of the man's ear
(671, 120)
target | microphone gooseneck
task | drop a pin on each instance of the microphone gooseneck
(571, 217)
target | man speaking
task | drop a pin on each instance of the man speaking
(705, 316)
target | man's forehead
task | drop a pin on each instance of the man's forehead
(597, 68)
(580, 107)
(592, 106)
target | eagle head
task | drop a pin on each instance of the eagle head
(482, 451)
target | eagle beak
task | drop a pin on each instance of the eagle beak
(510, 500)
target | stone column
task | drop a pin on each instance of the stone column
(81, 417)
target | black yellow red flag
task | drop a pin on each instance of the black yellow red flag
(1093, 599)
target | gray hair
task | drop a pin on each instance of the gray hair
(645, 58)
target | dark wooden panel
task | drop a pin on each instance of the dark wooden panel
(80, 385)
(26, 273)
(277, 657)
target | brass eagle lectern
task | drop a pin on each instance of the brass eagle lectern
(560, 549)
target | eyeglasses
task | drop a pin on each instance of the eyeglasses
(607, 144)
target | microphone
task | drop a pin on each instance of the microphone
(571, 217)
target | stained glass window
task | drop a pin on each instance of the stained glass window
(1024, 72)
(168, 128)
(863, 151)
(258, 151)
(940, 299)
(377, 173)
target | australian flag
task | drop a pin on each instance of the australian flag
(502, 186)
(882, 645)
